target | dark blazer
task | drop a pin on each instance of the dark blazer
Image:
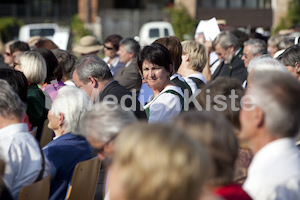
(63, 154)
(235, 69)
(118, 91)
(129, 77)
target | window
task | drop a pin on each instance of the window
(166, 32)
(42, 32)
(221, 4)
(250, 4)
(235, 4)
(154, 32)
(206, 3)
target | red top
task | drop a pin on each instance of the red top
(232, 192)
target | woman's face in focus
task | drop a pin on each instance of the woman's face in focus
(157, 77)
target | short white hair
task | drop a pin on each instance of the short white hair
(33, 66)
(72, 102)
(105, 120)
(278, 95)
(265, 63)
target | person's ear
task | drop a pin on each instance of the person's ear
(231, 48)
(259, 117)
(61, 119)
(185, 57)
(297, 67)
(171, 69)
(93, 81)
(143, 79)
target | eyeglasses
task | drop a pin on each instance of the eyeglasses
(7, 53)
(101, 149)
(108, 48)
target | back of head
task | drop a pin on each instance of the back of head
(213, 131)
(226, 39)
(33, 66)
(94, 66)
(114, 40)
(73, 103)
(19, 46)
(53, 72)
(265, 63)
(257, 46)
(105, 120)
(197, 54)
(242, 36)
(275, 40)
(278, 95)
(131, 45)
(171, 162)
(32, 40)
(66, 62)
(11, 105)
(46, 44)
(290, 56)
(156, 54)
(173, 44)
(17, 81)
(223, 95)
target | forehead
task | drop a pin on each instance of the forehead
(147, 63)
(247, 48)
(219, 48)
(109, 44)
(76, 79)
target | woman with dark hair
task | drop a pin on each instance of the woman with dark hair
(111, 47)
(156, 67)
(66, 62)
(19, 83)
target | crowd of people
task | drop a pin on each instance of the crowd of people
(171, 120)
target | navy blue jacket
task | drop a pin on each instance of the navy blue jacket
(63, 154)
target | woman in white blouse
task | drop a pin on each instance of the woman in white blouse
(155, 65)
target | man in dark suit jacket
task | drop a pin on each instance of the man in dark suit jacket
(128, 75)
(227, 47)
(93, 75)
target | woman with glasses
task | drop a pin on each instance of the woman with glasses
(111, 47)
(69, 145)
(33, 66)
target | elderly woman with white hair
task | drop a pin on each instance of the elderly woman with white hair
(69, 145)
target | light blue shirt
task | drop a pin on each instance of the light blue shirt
(23, 157)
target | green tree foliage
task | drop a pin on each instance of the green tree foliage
(77, 28)
(292, 17)
(9, 28)
(182, 23)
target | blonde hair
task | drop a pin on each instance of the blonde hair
(158, 162)
(33, 66)
(197, 54)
